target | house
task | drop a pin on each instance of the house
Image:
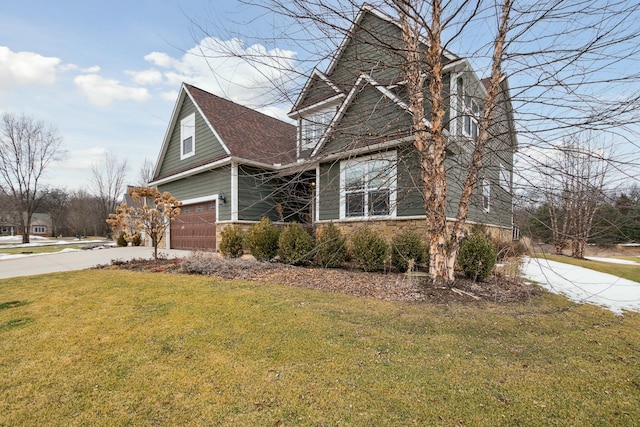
(41, 225)
(349, 159)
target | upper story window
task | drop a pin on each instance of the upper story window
(368, 186)
(470, 111)
(188, 136)
(313, 126)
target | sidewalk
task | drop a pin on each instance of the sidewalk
(76, 260)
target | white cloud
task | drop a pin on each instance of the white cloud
(248, 74)
(160, 59)
(25, 68)
(102, 92)
(146, 77)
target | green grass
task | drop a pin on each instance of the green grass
(626, 271)
(127, 348)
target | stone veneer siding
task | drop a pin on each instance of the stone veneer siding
(391, 227)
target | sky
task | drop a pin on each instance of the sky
(107, 74)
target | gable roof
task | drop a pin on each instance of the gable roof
(244, 134)
(248, 134)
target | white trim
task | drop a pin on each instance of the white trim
(303, 92)
(317, 106)
(392, 157)
(486, 193)
(317, 209)
(191, 172)
(234, 191)
(206, 120)
(188, 130)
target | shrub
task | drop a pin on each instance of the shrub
(136, 239)
(262, 240)
(477, 256)
(122, 239)
(368, 249)
(331, 246)
(506, 250)
(231, 241)
(295, 245)
(406, 246)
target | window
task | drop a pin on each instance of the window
(505, 178)
(368, 186)
(187, 136)
(39, 229)
(313, 128)
(486, 195)
(470, 111)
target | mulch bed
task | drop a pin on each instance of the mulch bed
(388, 286)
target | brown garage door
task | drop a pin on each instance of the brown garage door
(195, 227)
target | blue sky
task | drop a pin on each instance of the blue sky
(106, 74)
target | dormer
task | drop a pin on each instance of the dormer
(314, 109)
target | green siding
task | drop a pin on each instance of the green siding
(207, 145)
(329, 189)
(368, 51)
(371, 117)
(204, 184)
(257, 194)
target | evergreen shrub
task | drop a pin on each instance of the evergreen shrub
(295, 245)
(368, 249)
(406, 246)
(331, 246)
(231, 241)
(136, 239)
(262, 240)
(122, 239)
(477, 256)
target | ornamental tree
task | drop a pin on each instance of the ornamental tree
(149, 215)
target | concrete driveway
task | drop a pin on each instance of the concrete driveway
(75, 260)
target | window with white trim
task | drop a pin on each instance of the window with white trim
(188, 136)
(470, 111)
(313, 127)
(486, 195)
(368, 186)
(39, 229)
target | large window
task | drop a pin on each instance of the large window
(368, 186)
(313, 128)
(187, 136)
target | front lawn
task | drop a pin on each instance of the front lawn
(108, 347)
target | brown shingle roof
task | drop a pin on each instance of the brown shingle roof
(248, 134)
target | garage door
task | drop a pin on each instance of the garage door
(195, 227)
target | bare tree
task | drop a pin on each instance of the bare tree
(108, 184)
(82, 218)
(56, 203)
(562, 55)
(576, 177)
(27, 148)
(150, 215)
(145, 174)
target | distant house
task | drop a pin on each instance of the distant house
(350, 158)
(41, 225)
